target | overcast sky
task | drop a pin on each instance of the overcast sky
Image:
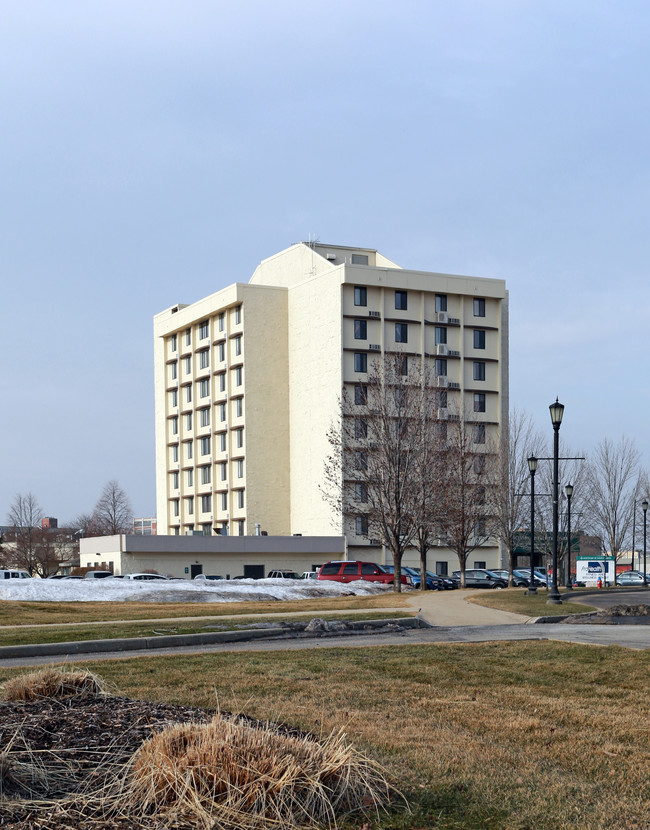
(153, 153)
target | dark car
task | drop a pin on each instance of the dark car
(436, 582)
(481, 578)
(412, 572)
(348, 571)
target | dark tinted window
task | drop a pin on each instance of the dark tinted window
(332, 568)
(351, 568)
(369, 568)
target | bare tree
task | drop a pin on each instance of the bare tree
(520, 439)
(614, 479)
(373, 476)
(25, 516)
(470, 472)
(112, 513)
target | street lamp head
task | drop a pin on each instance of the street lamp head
(569, 490)
(557, 411)
(532, 463)
(644, 505)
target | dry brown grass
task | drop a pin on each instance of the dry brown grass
(232, 774)
(53, 682)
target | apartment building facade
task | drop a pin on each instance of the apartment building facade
(249, 381)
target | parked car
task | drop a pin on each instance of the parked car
(481, 578)
(414, 573)
(97, 574)
(16, 574)
(280, 574)
(540, 578)
(144, 577)
(348, 571)
(310, 575)
(208, 576)
(629, 578)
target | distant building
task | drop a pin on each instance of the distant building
(248, 382)
(145, 527)
(49, 523)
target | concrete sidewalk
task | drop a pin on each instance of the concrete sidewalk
(451, 608)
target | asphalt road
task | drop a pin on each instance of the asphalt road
(608, 599)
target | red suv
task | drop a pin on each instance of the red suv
(350, 570)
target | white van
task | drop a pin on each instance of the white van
(14, 575)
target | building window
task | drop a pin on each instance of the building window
(479, 307)
(189, 503)
(205, 416)
(222, 436)
(222, 352)
(189, 450)
(188, 365)
(204, 330)
(360, 295)
(188, 420)
(441, 367)
(190, 478)
(400, 397)
(205, 445)
(442, 568)
(360, 394)
(238, 376)
(174, 397)
(441, 430)
(360, 330)
(206, 503)
(441, 334)
(221, 320)
(402, 365)
(360, 428)
(205, 474)
(361, 491)
(442, 399)
(240, 498)
(441, 302)
(188, 393)
(204, 359)
(175, 453)
(188, 337)
(359, 259)
(224, 470)
(174, 426)
(175, 480)
(238, 315)
(238, 345)
(174, 371)
(204, 388)
(479, 339)
(479, 370)
(172, 343)
(224, 501)
(239, 407)
(222, 382)
(401, 333)
(222, 412)
(175, 507)
(239, 433)
(240, 468)
(360, 362)
(361, 525)
(361, 460)
(401, 300)
(479, 402)
(240, 527)
(479, 433)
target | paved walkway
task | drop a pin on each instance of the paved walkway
(451, 608)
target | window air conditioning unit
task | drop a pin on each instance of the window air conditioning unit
(374, 347)
(331, 256)
(454, 320)
(441, 381)
(442, 349)
(442, 317)
(374, 314)
(454, 352)
(454, 385)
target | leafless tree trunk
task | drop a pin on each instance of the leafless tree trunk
(25, 516)
(112, 513)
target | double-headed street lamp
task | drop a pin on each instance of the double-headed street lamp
(557, 411)
(532, 466)
(644, 505)
(569, 492)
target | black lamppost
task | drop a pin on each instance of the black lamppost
(644, 505)
(569, 492)
(557, 411)
(532, 466)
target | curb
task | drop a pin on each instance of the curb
(172, 640)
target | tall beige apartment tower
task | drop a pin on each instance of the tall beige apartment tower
(248, 380)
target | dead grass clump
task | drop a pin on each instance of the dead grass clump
(53, 682)
(231, 774)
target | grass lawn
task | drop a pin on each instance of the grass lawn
(510, 736)
(515, 600)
